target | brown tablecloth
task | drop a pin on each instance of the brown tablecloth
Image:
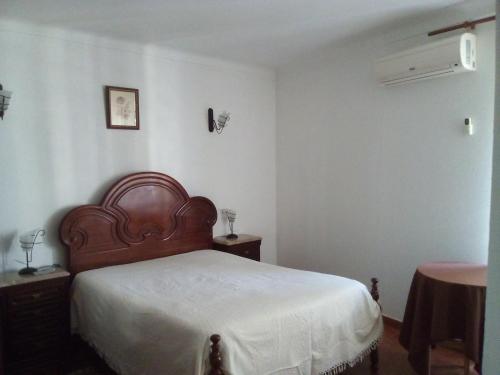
(446, 301)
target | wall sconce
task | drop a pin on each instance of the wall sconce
(4, 100)
(221, 121)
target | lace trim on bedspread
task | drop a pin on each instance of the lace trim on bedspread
(341, 367)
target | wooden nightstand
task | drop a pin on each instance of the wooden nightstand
(245, 245)
(34, 323)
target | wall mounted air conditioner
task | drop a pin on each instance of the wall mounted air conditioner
(436, 59)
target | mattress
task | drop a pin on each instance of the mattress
(155, 317)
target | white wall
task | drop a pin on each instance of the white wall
(492, 328)
(56, 153)
(374, 181)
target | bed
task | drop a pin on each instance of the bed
(151, 296)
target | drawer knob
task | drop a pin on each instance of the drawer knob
(36, 295)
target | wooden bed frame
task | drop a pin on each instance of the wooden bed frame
(144, 216)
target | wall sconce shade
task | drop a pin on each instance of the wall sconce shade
(4, 100)
(222, 121)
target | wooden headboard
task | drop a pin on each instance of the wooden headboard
(142, 216)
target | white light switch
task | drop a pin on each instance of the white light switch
(469, 126)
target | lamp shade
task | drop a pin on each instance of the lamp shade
(230, 214)
(32, 238)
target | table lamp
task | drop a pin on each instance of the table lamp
(231, 218)
(28, 241)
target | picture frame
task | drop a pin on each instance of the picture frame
(122, 108)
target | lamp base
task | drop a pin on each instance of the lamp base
(27, 271)
(232, 236)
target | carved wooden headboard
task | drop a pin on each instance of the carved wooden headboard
(142, 216)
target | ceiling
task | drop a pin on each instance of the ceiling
(265, 32)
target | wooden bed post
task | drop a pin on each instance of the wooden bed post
(374, 352)
(215, 357)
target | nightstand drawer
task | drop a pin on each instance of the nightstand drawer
(54, 311)
(36, 345)
(246, 246)
(250, 250)
(23, 298)
(54, 325)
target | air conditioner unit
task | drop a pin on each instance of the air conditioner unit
(437, 59)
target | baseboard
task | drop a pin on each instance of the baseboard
(392, 322)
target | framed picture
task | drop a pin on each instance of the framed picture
(122, 108)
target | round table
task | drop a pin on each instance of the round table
(469, 274)
(446, 302)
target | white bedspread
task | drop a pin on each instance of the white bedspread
(155, 317)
